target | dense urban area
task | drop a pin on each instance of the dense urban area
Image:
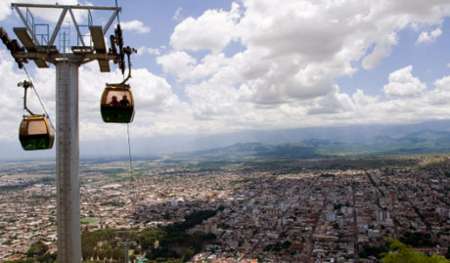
(320, 210)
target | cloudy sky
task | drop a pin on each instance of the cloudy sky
(218, 66)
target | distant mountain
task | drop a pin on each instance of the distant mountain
(354, 135)
(431, 136)
(243, 151)
(426, 141)
(417, 142)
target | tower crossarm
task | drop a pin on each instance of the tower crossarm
(74, 7)
(45, 51)
(54, 57)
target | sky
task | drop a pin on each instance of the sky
(219, 66)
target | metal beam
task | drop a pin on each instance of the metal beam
(27, 42)
(57, 27)
(58, 56)
(79, 7)
(100, 46)
(98, 39)
(24, 20)
(77, 27)
(110, 21)
(24, 37)
(64, 9)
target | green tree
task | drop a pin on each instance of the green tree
(37, 249)
(400, 253)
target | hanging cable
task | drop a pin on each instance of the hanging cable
(41, 102)
(134, 198)
(119, 41)
(128, 52)
(118, 13)
(118, 26)
(130, 157)
(35, 91)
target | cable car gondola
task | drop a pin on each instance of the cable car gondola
(35, 131)
(117, 103)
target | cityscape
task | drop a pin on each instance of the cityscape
(298, 211)
(226, 131)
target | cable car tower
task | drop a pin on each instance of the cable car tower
(41, 49)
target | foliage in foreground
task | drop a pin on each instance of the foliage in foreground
(38, 252)
(163, 244)
(401, 253)
(160, 244)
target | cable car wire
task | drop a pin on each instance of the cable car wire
(130, 157)
(130, 166)
(132, 197)
(118, 14)
(125, 79)
(41, 102)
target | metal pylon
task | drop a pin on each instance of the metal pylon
(67, 63)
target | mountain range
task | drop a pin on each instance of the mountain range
(426, 137)
(420, 142)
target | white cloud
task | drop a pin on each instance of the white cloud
(179, 63)
(148, 50)
(211, 31)
(135, 26)
(403, 84)
(5, 9)
(429, 37)
(178, 14)
(294, 51)
(443, 84)
(381, 50)
(284, 75)
(335, 102)
(187, 68)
